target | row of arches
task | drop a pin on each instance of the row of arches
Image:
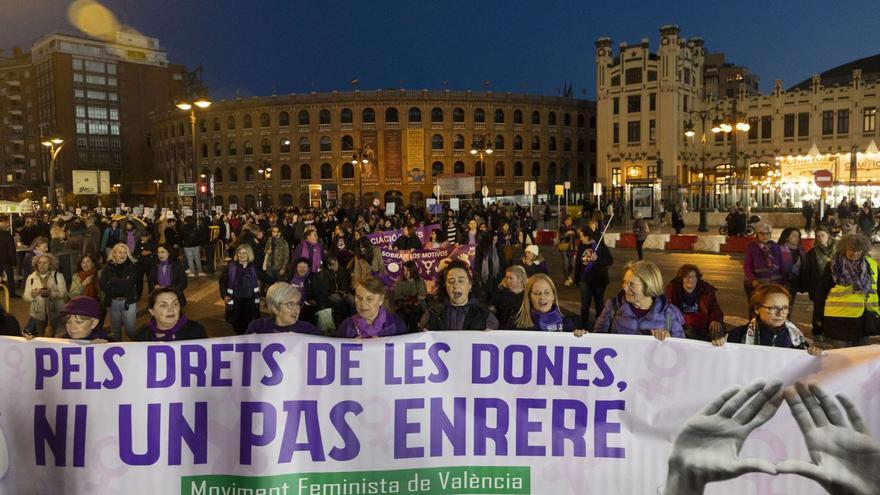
(368, 115)
(249, 201)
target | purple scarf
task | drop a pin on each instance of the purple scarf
(366, 329)
(855, 273)
(551, 321)
(766, 250)
(170, 333)
(233, 270)
(163, 273)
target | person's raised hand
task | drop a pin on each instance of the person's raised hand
(846, 459)
(707, 448)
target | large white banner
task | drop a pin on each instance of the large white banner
(444, 412)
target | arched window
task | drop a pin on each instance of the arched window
(415, 115)
(285, 172)
(581, 146)
(246, 121)
(518, 169)
(284, 145)
(283, 119)
(580, 120)
(303, 117)
(248, 148)
(551, 169)
(517, 143)
(566, 144)
(304, 145)
(347, 170)
(479, 115)
(264, 120)
(368, 115)
(216, 124)
(217, 150)
(566, 120)
(536, 169)
(499, 142)
(566, 170)
(517, 117)
(536, 118)
(436, 142)
(325, 144)
(249, 174)
(458, 167)
(551, 143)
(345, 116)
(231, 150)
(436, 115)
(326, 171)
(499, 116)
(436, 169)
(458, 142)
(347, 143)
(265, 147)
(305, 171)
(551, 118)
(218, 174)
(324, 117)
(499, 169)
(233, 177)
(391, 115)
(230, 123)
(457, 115)
(536, 143)
(203, 126)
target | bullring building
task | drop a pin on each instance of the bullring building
(299, 149)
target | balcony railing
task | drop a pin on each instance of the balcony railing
(436, 125)
(326, 154)
(348, 182)
(438, 152)
(392, 125)
(458, 125)
(392, 181)
(302, 128)
(323, 127)
(345, 127)
(305, 155)
(369, 125)
(480, 126)
(414, 125)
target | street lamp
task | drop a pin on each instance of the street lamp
(482, 144)
(54, 144)
(264, 174)
(190, 107)
(158, 183)
(118, 188)
(360, 157)
(740, 124)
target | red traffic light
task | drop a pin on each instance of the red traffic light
(203, 188)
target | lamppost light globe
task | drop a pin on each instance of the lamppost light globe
(203, 103)
(689, 133)
(259, 171)
(184, 105)
(268, 169)
(743, 126)
(473, 151)
(47, 144)
(365, 161)
(56, 140)
(489, 151)
(726, 127)
(354, 162)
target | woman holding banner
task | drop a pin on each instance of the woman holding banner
(372, 319)
(640, 308)
(458, 310)
(540, 308)
(770, 327)
(168, 323)
(284, 302)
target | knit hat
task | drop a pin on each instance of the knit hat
(532, 248)
(83, 306)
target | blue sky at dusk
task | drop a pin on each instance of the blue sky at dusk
(521, 46)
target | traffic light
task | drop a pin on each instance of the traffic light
(203, 188)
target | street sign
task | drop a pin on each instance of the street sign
(823, 178)
(567, 185)
(186, 189)
(559, 189)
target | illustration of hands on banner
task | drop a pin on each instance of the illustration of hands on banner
(846, 459)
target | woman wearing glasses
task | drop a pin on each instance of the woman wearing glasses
(847, 295)
(284, 302)
(703, 318)
(771, 326)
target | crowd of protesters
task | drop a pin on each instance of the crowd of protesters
(315, 271)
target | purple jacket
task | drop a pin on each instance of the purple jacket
(756, 267)
(268, 325)
(618, 317)
(394, 325)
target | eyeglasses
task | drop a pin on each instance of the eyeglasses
(776, 310)
(292, 305)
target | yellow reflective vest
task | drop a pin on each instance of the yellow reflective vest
(843, 302)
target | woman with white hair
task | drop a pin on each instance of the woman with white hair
(762, 263)
(119, 284)
(284, 302)
(46, 290)
(240, 289)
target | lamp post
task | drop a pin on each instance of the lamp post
(736, 121)
(208, 177)
(689, 132)
(118, 188)
(482, 144)
(190, 107)
(360, 157)
(264, 174)
(54, 144)
(158, 183)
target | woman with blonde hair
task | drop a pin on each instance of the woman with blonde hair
(640, 308)
(506, 301)
(119, 284)
(540, 308)
(240, 289)
(46, 291)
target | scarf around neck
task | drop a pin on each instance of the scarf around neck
(753, 333)
(363, 328)
(551, 321)
(855, 273)
(168, 335)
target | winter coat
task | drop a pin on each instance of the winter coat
(640, 229)
(179, 280)
(597, 275)
(755, 266)
(268, 325)
(811, 274)
(394, 325)
(278, 259)
(707, 309)
(7, 249)
(506, 304)
(46, 308)
(476, 317)
(119, 281)
(310, 251)
(618, 317)
(191, 330)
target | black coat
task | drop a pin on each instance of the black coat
(7, 249)
(119, 281)
(191, 330)
(598, 274)
(178, 277)
(476, 317)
